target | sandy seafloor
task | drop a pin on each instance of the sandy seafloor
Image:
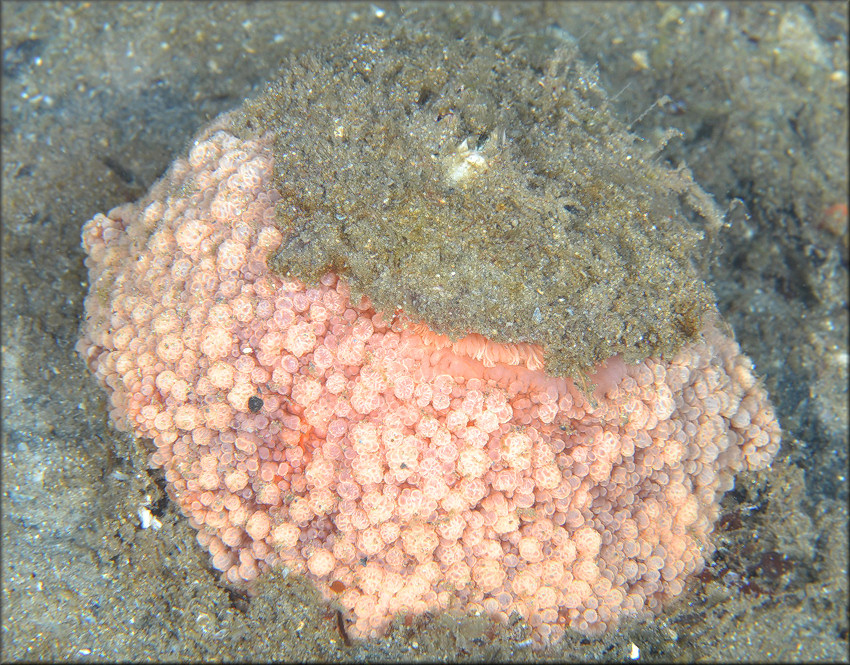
(97, 100)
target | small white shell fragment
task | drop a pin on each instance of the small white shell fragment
(147, 520)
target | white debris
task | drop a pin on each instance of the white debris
(147, 519)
